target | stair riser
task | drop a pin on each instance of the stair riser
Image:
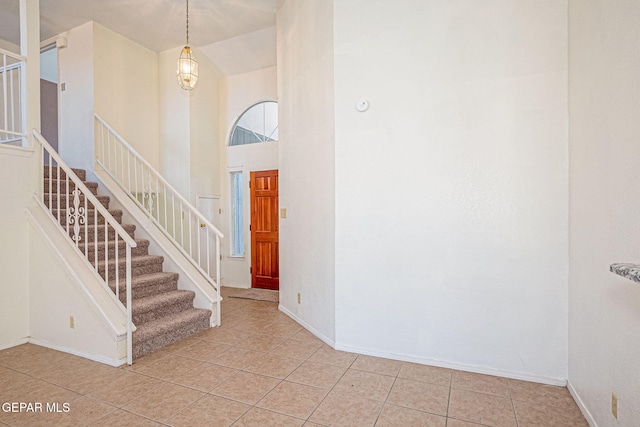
(136, 270)
(91, 232)
(90, 218)
(156, 343)
(146, 291)
(104, 200)
(149, 316)
(63, 187)
(81, 173)
(137, 251)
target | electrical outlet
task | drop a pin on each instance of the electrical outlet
(614, 405)
(72, 322)
(298, 297)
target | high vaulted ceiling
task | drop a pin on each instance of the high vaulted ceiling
(237, 36)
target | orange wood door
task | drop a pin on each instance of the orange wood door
(264, 230)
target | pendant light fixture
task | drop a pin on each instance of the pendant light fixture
(187, 64)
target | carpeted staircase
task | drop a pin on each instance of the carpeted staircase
(162, 313)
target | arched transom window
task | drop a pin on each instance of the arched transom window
(258, 123)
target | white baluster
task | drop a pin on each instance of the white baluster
(76, 216)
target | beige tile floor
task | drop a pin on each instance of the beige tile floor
(262, 369)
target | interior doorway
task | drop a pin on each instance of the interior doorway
(265, 269)
(49, 94)
(209, 206)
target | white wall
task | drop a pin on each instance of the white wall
(55, 296)
(126, 90)
(307, 165)
(174, 123)
(75, 116)
(204, 132)
(115, 77)
(451, 190)
(14, 251)
(189, 123)
(604, 309)
(237, 93)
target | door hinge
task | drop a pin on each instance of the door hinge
(249, 227)
(250, 270)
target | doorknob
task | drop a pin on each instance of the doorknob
(202, 225)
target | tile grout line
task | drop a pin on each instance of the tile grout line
(332, 387)
(449, 398)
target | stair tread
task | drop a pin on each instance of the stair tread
(63, 180)
(92, 228)
(64, 195)
(125, 226)
(137, 260)
(113, 212)
(81, 173)
(147, 279)
(111, 243)
(169, 323)
(144, 304)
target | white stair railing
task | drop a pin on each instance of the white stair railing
(81, 217)
(12, 98)
(195, 236)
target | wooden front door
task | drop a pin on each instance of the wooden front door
(264, 230)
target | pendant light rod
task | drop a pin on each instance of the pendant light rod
(187, 22)
(187, 64)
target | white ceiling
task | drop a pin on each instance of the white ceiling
(244, 53)
(160, 24)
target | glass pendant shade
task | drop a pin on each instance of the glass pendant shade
(187, 69)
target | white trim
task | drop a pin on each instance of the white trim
(308, 327)
(14, 150)
(583, 408)
(96, 358)
(114, 327)
(13, 55)
(207, 196)
(424, 361)
(14, 344)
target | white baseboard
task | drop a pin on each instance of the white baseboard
(425, 361)
(457, 366)
(94, 357)
(308, 327)
(581, 405)
(14, 344)
(235, 286)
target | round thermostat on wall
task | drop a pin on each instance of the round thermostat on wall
(362, 105)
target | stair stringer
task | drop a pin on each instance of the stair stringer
(189, 277)
(61, 286)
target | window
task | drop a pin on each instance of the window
(237, 222)
(259, 123)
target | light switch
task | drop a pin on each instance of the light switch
(283, 213)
